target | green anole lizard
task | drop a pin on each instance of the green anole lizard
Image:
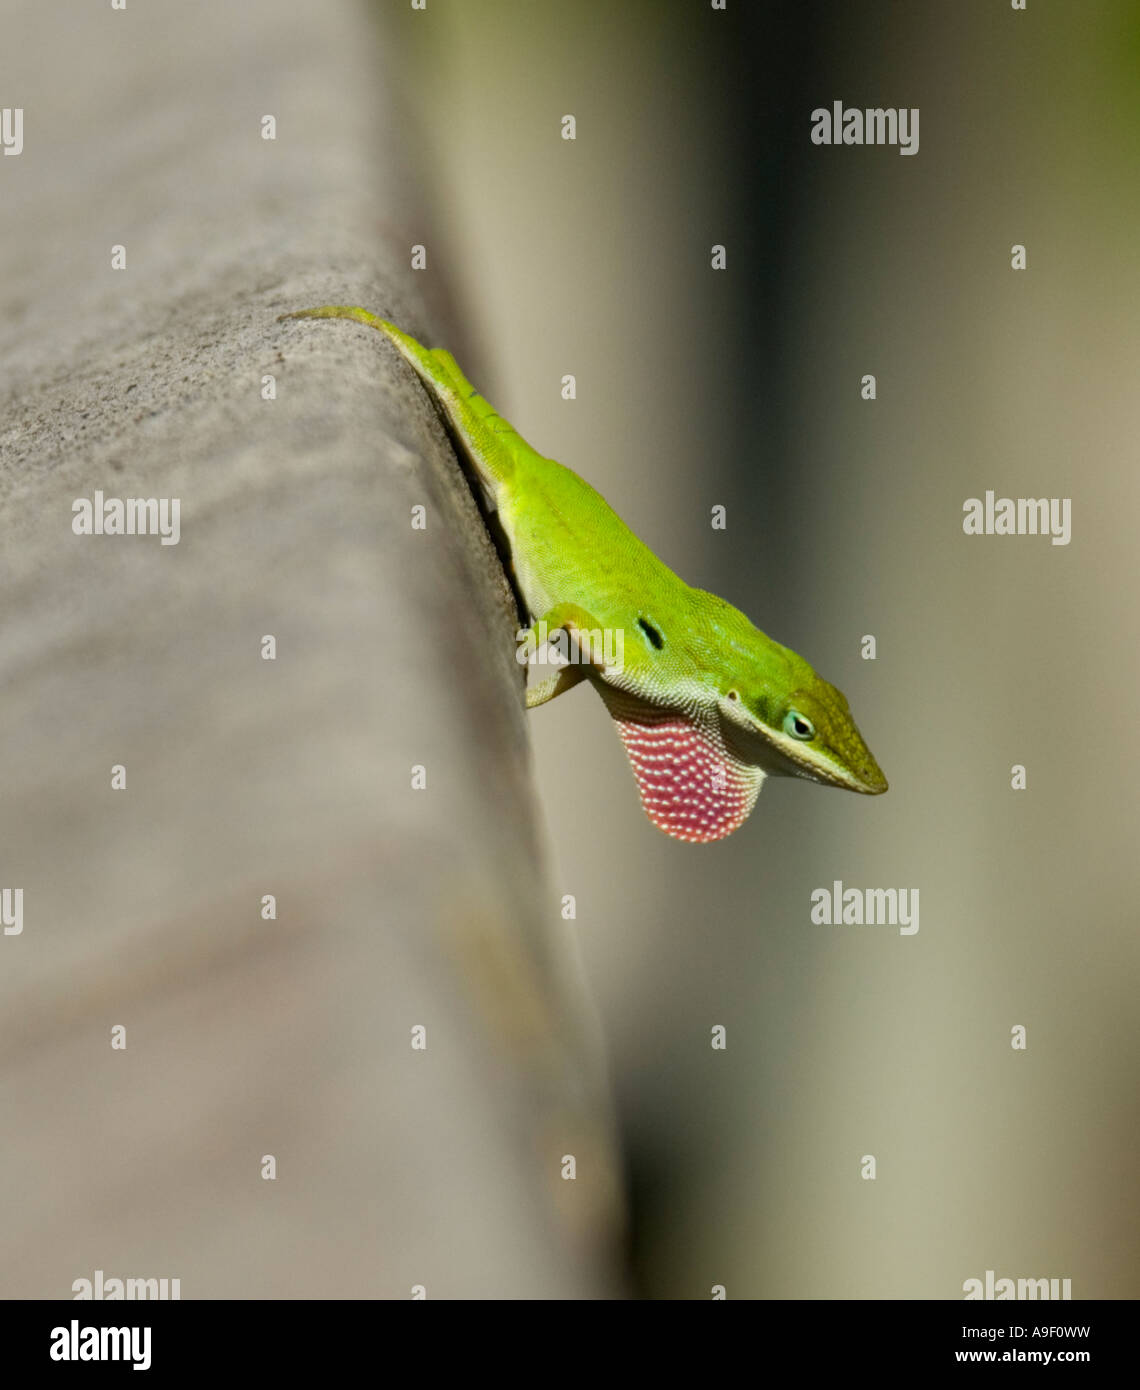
(706, 705)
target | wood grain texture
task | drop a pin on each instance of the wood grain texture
(245, 777)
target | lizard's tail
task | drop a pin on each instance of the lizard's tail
(479, 426)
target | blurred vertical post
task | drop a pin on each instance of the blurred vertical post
(292, 1011)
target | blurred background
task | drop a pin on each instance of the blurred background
(741, 388)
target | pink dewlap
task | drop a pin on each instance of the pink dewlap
(689, 787)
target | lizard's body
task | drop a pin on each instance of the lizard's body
(705, 703)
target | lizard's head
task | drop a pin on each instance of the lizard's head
(705, 722)
(778, 713)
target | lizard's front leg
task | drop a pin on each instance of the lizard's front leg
(544, 691)
(589, 645)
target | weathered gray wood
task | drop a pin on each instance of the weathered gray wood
(246, 777)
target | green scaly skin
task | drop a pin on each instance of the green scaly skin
(706, 704)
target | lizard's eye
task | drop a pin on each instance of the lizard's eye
(798, 725)
(734, 695)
